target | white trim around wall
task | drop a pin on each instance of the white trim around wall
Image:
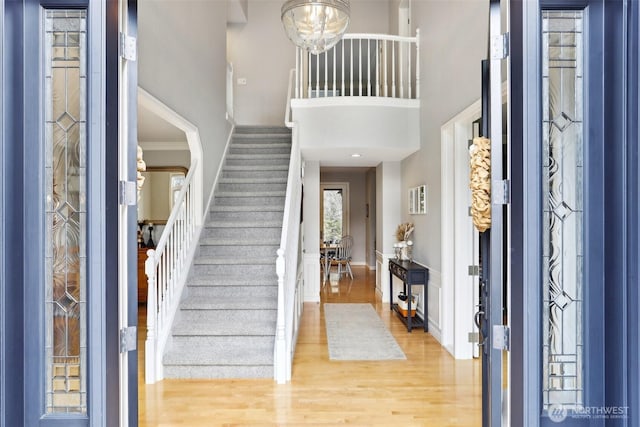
(459, 240)
(160, 109)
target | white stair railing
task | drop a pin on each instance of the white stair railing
(290, 293)
(166, 268)
(370, 65)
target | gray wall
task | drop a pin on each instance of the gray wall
(453, 42)
(182, 62)
(261, 52)
(356, 177)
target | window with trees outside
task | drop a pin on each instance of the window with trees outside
(334, 211)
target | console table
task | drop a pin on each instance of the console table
(411, 274)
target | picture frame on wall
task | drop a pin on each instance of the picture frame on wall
(418, 200)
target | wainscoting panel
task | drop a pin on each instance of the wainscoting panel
(435, 305)
(312, 277)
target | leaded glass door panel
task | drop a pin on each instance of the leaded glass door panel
(568, 202)
(57, 296)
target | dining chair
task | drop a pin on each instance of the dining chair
(343, 256)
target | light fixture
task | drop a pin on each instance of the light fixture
(315, 25)
(356, 155)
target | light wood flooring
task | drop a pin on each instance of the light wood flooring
(430, 388)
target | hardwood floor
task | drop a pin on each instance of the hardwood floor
(430, 388)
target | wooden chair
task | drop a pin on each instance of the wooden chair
(343, 256)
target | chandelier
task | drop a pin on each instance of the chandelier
(315, 25)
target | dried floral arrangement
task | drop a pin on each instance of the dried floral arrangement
(404, 230)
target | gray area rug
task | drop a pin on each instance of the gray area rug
(356, 332)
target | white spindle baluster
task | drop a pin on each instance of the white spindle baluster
(351, 70)
(385, 68)
(296, 79)
(377, 68)
(309, 68)
(368, 67)
(409, 69)
(318, 76)
(360, 67)
(342, 93)
(326, 73)
(402, 53)
(393, 69)
(334, 70)
(418, 64)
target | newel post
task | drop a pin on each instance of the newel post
(151, 342)
(281, 344)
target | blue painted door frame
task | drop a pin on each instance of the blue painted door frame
(611, 197)
(21, 226)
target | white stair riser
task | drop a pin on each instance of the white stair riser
(219, 372)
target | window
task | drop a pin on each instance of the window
(334, 211)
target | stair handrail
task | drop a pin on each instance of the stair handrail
(166, 269)
(288, 121)
(287, 265)
(395, 72)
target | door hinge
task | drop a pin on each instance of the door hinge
(128, 47)
(473, 337)
(128, 339)
(500, 46)
(501, 192)
(474, 270)
(128, 193)
(501, 337)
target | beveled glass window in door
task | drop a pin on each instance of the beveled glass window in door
(64, 45)
(562, 179)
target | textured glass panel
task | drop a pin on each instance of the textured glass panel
(562, 208)
(65, 173)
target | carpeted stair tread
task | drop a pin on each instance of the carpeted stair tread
(247, 208)
(258, 129)
(251, 194)
(276, 180)
(250, 241)
(238, 301)
(234, 261)
(243, 224)
(249, 168)
(261, 145)
(257, 156)
(232, 281)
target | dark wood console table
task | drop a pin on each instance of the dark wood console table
(411, 274)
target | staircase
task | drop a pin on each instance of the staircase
(226, 323)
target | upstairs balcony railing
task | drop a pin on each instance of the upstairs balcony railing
(364, 65)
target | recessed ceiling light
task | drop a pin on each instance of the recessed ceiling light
(355, 155)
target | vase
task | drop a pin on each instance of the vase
(405, 252)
